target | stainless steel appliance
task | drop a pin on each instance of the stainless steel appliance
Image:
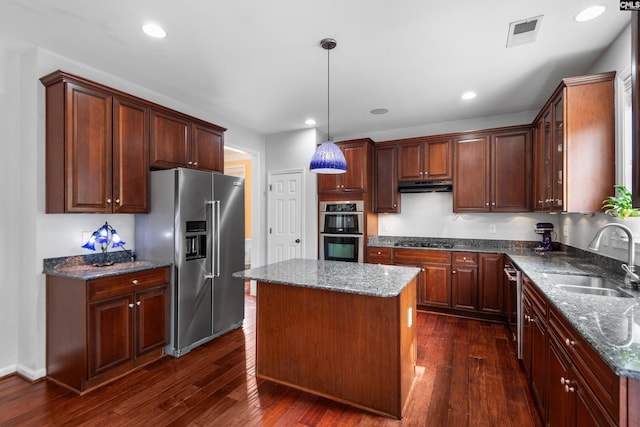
(341, 230)
(196, 222)
(513, 282)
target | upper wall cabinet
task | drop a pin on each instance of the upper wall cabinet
(574, 137)
(359, 156)
(492, 171)
(387, 198)
(179, 141)
(97, 148)
(421, 159)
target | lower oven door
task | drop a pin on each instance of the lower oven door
(341, 247)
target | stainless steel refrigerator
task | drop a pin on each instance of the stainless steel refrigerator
(196, 222)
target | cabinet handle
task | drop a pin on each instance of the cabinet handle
(564, 381)
(131, 305)
(138, 303)
(134, 282)
(569, 342)
(569, 389)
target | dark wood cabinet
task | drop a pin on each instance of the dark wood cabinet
(434, 284)
(464, 280)
(535, 338)
(491, 295)
(574, 160)
(96, 142)
(179, 141)
(424, 158)
(379, 255)
(492, 171)
(387, 198)
(100, 329)
(359, 156)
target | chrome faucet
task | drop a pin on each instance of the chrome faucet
(631, 279)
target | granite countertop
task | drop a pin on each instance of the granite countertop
(81, 266)
(610, 324)
(356, 278)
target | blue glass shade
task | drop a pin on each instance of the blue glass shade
(103, 234)
(328, 158)
(116, 242)
(91, 243)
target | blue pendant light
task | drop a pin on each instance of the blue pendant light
(328, 158)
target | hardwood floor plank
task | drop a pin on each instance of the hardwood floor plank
(466, 374)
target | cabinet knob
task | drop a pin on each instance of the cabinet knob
(569, 342)
(134, 282)
(487, 203)
(131, 305)
(108, 201)
(563, 381)
(464, 258)
(394, 205)
(453, 272)
(189, 163)
(379, 253)
(569, 389)
(138, 303)
(493, 204)
(118, 202)
(195, 163)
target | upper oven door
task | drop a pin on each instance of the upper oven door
(341, 222)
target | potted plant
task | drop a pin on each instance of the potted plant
(620, 205)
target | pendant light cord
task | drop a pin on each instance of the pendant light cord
(328, 96)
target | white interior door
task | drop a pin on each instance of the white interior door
(285, 216)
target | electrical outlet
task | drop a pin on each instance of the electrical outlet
(492, 228)
(385, 227)
(565, 231)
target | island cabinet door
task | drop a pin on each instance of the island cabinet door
(110, 333)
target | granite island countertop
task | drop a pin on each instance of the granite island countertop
(356, 278)
(611, 325)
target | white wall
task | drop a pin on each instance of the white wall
(30, 235)
(292, 151)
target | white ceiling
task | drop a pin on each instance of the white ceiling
(259, 63)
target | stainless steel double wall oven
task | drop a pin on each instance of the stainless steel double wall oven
(341, 230)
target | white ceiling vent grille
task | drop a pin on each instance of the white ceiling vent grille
(525, 31)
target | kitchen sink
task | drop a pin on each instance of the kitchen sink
(585, 284)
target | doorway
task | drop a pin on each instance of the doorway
(285, 219)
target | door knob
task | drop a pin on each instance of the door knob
(297, 240)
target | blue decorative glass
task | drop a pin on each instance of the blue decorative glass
(328, 159)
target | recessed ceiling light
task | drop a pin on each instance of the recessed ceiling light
(154, 30)
(468, 95)
(310, 122)
(590, 13)
(379, 111)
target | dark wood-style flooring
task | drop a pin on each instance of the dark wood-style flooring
(466, 375)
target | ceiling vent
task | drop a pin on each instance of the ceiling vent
(524, 31)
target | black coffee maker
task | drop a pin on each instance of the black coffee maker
(544, 228)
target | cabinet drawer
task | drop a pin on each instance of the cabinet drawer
(422, 255)
(375, 254)
(603, 382)
(464, 258)
(114, 285)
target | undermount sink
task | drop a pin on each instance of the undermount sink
(584, 284)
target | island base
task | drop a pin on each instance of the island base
(351, 348)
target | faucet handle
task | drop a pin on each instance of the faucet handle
(631, 279)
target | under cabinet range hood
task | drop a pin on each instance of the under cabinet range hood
(425, 186)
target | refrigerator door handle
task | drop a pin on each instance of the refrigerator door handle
(210, 257)
(216, 236)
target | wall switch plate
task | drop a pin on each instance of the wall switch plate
(492, 228)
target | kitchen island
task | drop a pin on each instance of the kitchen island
(344, 331)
